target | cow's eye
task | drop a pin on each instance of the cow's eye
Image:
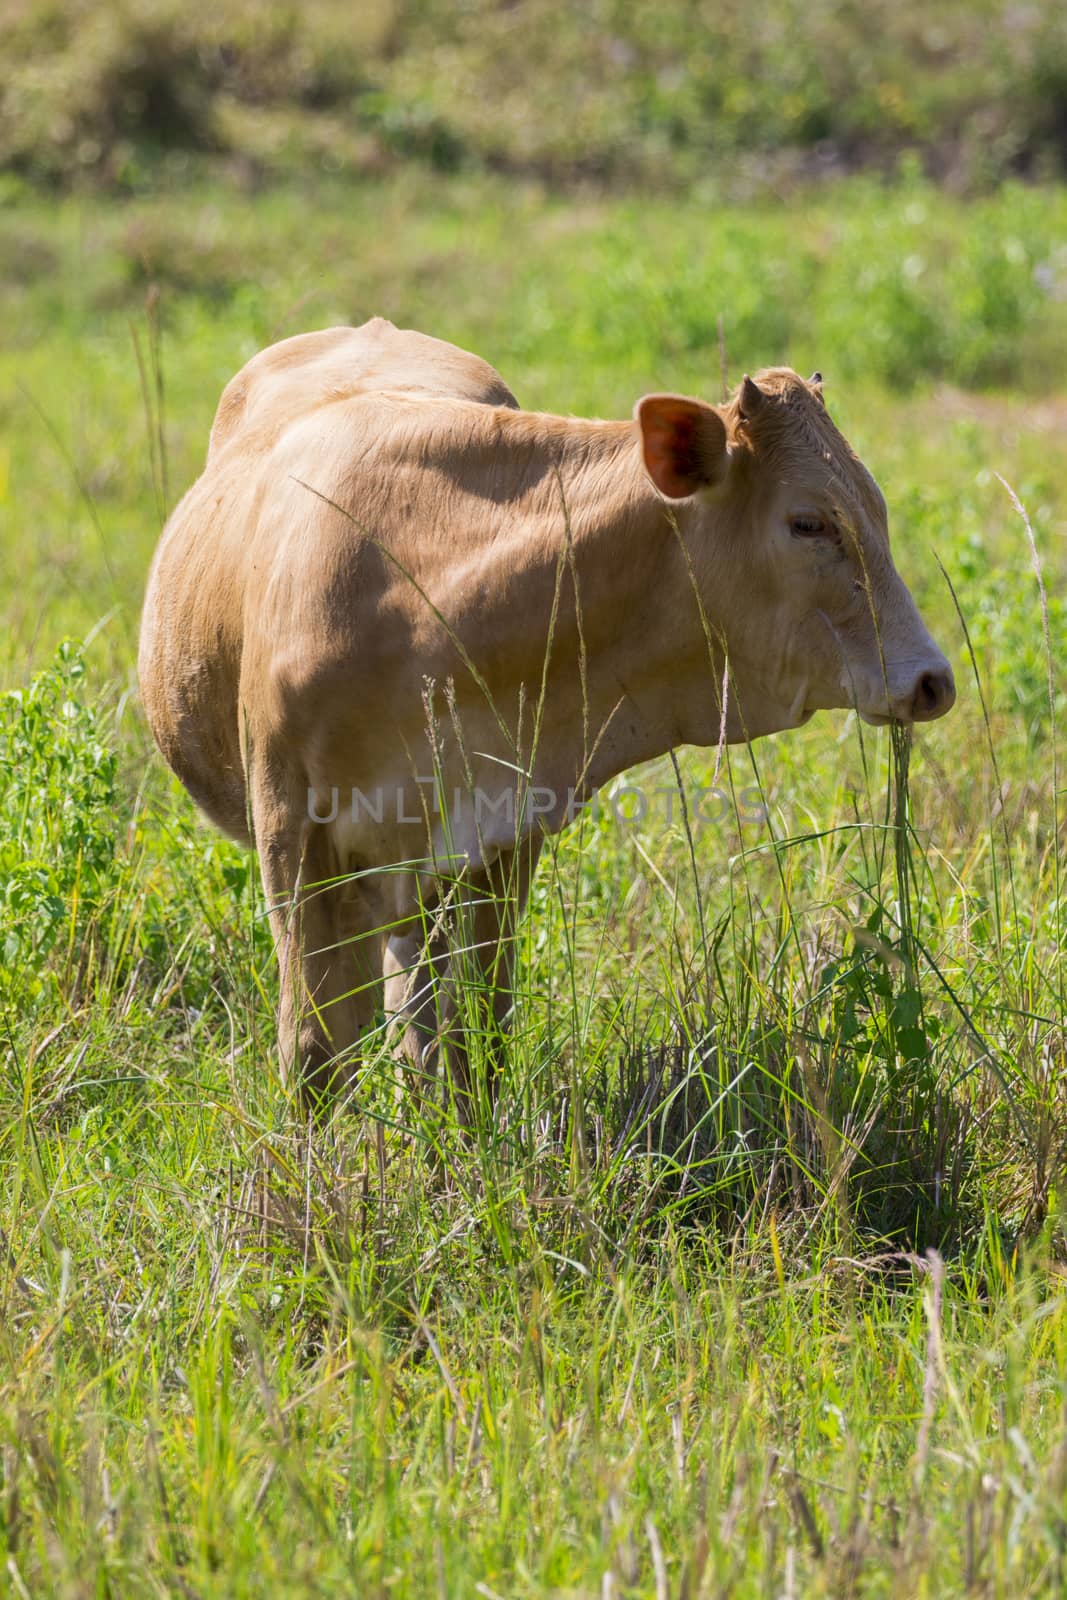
(807, 527)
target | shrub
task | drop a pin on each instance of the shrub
(58, 841)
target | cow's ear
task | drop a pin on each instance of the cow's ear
(683, 443)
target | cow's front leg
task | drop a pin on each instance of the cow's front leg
(450, 976)
(416, 973)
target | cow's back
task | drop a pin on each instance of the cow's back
(289, 380)
(192, 625)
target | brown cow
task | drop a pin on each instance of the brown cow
(399, 629)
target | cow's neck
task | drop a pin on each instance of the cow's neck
(650, 681)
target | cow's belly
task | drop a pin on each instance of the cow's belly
(189, 662)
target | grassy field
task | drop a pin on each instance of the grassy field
(754, 1288)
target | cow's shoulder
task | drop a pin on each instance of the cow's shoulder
(290, 379)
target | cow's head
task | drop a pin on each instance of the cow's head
(788, 545)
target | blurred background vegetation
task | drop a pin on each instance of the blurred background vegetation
(712, 92)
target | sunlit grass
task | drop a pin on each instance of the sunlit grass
(666, 1323)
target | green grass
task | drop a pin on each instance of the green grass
(686, 1344)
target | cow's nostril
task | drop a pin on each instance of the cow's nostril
(933, 695)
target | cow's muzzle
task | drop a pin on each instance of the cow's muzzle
(932, 693)
(925, 695)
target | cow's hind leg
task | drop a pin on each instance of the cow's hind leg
(325, 923)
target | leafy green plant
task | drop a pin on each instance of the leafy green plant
(60, 825)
